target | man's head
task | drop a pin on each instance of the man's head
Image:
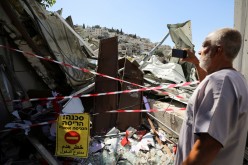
(220, 49)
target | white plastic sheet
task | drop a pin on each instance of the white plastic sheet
(169, 71)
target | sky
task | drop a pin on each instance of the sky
(149, 18)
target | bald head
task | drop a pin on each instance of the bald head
(230, 39)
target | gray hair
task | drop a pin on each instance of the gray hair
(230, 39)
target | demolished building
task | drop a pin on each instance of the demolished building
(45, 67)
(45, 71)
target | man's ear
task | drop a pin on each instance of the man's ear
(217, 51)
(220, 49)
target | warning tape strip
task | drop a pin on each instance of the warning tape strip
(112, 111)
(67, 65)
(106, 93)
(99, 74)
(145, 110)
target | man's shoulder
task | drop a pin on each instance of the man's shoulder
(225, 73)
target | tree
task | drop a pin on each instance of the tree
(159, 53)
(112, 30)
(47, 3)
(83, 26)
(97, 26)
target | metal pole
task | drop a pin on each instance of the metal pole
(150, 53)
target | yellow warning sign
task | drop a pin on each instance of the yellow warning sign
(72, 139)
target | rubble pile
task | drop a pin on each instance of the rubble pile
(140, 150)
(134, 146)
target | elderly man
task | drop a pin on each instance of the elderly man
(215, 128)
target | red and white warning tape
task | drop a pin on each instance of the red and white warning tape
(145, 110)
(67, 65)
(143, 88)
(107, 93)
(16, 126)
(99, 74)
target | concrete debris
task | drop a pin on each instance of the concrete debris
(137, 152)
(95, 146)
